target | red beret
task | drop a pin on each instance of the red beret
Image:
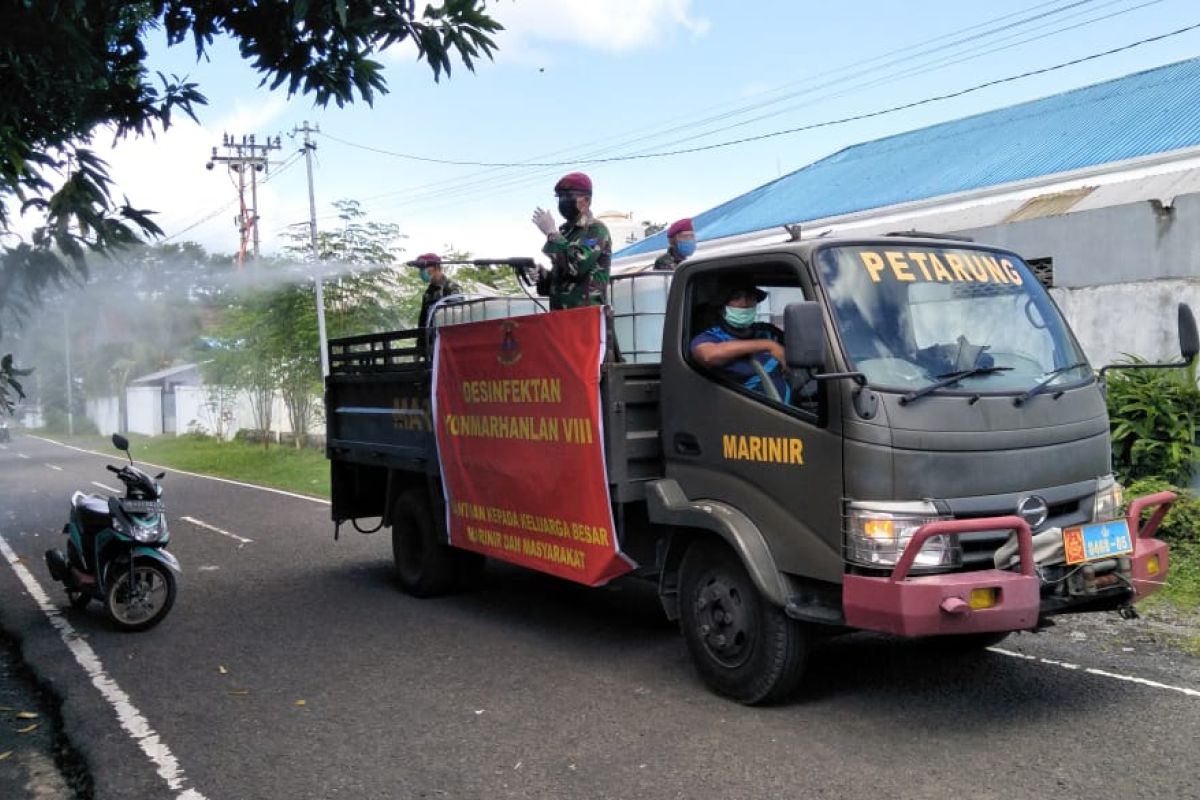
(574, 182)
(679, 226)
(430, 259)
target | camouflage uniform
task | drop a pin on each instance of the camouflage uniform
(433, 293)
(668, 261)
(580, 256)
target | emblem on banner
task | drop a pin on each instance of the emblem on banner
(510, 349)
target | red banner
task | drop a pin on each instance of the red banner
(521, 445)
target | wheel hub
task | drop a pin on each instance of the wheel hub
(724, 622)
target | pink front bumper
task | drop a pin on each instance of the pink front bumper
(936, 605)
(932, 605)
(1150, 559)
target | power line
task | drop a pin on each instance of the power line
(786, 131)
(287, 164)
(498, 187)
(922, 69)
(690, 123)
(492, 186)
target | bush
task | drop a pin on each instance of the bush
(1155, 419)
(1182, 523)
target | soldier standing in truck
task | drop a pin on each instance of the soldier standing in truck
(580, 250)
(439, 285)
(681, 244)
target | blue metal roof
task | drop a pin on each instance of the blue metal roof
(1137, 115)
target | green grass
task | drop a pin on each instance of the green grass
(304, 471)
(1183, 577)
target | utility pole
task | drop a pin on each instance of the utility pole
(309, 147)
(246, 156)
(70, 389)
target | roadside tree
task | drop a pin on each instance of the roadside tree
(72, 70)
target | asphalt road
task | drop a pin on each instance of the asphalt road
(291, 667)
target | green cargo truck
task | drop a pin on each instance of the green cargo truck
(939, 465)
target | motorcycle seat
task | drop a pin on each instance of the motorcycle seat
(93, 511)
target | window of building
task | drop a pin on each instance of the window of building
(1043, 270)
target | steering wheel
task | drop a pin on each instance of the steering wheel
(768, 384)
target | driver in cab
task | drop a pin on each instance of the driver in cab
(734, 346)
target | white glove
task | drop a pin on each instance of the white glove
(544, 221)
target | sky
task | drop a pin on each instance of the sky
(579, 79)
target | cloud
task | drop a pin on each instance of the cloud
(612, 25)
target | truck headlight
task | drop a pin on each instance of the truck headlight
(877, 533)
(1110, 496)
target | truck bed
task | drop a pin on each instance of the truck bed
(379, 417)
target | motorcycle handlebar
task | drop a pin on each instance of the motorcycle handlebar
(111, 468)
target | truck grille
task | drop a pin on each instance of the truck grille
(1068, 505)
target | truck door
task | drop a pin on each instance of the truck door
(724, 439)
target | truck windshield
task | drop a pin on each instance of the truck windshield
(910, 315)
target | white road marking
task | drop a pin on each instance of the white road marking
(130, 718)
(1102, 673)
(215, 529)
(3, 447)
(309, 498)
(55, 467)
(22, 455)
(106, 487)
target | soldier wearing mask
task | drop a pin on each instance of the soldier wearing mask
(730, 347)
(681, 243)
(580, 250)
(439, 285)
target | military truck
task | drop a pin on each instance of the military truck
(941, 466)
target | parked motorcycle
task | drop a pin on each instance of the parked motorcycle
(116, 550)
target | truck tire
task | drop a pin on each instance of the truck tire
(425, 565)
(744, 647)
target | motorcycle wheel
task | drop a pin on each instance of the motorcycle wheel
(151, 597)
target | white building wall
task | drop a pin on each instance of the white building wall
(212, 411)
(144, 407)
(1128, 318)
(105, 412)
(191, 411)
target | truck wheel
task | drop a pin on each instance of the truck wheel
(425, 565)
(743, 646)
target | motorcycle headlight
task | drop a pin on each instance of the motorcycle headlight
(876, 534)
(148, 530)
(1110, 497)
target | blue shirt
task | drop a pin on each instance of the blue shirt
(740, 370)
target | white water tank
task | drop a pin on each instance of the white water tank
(639, 304)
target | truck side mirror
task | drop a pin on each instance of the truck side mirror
(804, 335)
(1189, 345)
(1189, 342)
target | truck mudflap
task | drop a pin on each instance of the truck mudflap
(979, 601)
(1150, 558)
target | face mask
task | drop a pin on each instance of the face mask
(686, 247)
(568, 208)
(739, 317)
(425, 276)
